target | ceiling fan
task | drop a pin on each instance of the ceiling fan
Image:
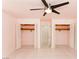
(50, 8)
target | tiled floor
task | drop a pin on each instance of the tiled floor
(59, 52)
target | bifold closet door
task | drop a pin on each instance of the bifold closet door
(62, 37)
(27, 37)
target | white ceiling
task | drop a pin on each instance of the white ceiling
(20, 8)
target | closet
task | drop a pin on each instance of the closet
(62, 34)
(27, 35)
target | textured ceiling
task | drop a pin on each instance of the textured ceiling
(20, 8)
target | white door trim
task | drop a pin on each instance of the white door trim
(36, 34)
(60, 21)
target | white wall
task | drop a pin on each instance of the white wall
(27, 37)
(8, 34)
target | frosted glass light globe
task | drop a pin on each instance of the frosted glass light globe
(48, 10)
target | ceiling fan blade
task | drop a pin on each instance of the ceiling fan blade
(55, 11)
(37, 9)
(44, 14)
(59, 5)
(45, 3)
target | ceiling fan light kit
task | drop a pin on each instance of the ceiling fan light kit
(49, 9)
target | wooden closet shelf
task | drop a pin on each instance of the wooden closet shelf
(62, 27)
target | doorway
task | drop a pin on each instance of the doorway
(62, 34)
(27, 35)
(36, 29)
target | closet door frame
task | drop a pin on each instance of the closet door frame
(63, 21)
(36, 22)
